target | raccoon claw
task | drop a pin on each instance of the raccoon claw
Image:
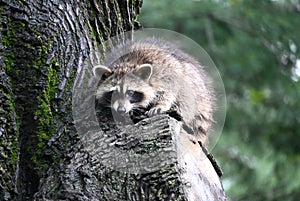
(154, 111)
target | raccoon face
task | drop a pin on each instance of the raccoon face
(124, 100)
(133, 90)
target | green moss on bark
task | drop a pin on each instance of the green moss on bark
(45, 117)
(9, 124)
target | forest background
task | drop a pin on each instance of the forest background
(255, 46)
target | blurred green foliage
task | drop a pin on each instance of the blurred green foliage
(255, 45)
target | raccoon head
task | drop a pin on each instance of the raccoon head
(134, 91)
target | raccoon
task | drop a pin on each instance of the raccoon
(157, 76)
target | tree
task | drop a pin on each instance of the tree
(43, 45)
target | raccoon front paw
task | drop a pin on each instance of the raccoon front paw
(154, 111)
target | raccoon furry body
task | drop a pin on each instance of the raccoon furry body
(154, 74)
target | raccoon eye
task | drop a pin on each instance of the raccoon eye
(130, 93)
(134, 96)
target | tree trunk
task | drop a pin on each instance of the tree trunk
(44, 44)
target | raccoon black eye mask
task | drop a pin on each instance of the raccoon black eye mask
(134, 96)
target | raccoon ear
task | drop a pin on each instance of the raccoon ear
(144, 71)
(99, 70)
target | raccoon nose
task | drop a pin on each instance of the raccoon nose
(121, 109)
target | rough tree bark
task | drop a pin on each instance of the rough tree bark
(43, 44)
